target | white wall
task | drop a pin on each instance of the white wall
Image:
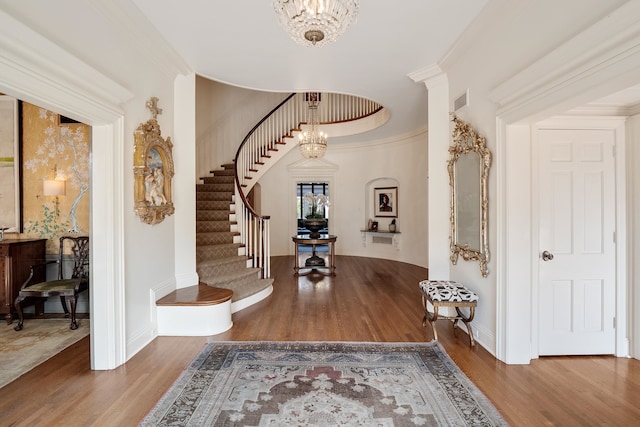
(129, 258)
(224, 116)
(482, 61)
(351, 168)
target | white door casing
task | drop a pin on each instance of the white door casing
(577, 288)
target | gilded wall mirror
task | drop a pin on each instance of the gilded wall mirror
(153, 170)
(468, 167)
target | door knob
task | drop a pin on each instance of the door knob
(547, 256)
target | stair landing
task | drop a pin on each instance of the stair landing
(199, 310)
(200, 294)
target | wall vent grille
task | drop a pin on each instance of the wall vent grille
(461, 101)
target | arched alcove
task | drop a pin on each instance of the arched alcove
(374, 189)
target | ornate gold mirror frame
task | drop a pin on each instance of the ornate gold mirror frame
(468, 167)
(152, 170)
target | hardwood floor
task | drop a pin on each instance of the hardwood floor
(368, 300)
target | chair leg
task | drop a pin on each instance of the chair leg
(18, 306)
(63, 300)
(74, 323)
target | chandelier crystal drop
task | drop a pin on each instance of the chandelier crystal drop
(313, 142)
(316, 22)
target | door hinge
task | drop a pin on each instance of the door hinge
(614, 237)
(614, 323)
(613, 150)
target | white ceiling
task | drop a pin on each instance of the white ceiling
(242, 43)
(629, 97)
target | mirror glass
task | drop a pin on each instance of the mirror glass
(468, 178)
(467, 171)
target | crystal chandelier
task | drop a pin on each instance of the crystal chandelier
(316, 22)
(313, 143)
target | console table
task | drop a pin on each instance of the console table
(16, 258)
(315, 261)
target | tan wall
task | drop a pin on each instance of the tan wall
(48, 145)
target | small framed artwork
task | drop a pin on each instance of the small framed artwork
(385, 201)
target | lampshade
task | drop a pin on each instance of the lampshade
(316, 22)
(52, 187)
(313, 142)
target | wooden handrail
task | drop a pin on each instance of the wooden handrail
(261, 142)
(242, 144)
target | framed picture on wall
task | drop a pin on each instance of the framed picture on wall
(153, 170)
(385, 201)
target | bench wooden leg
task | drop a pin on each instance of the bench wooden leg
(430, 317)
(467, 321)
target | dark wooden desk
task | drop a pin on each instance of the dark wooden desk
(16, 258)
(315, 261)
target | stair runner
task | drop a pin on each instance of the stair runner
(220, 262)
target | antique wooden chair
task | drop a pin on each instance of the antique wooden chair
(75, 250)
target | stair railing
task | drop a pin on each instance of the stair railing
(280, 123)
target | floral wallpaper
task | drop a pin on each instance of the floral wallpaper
(54, 150)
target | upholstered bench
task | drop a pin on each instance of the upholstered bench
(446, 293)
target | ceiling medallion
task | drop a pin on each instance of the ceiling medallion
(316, 22)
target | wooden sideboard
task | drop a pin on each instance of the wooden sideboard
(16, 258)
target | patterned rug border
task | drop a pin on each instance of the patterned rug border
(174, 392)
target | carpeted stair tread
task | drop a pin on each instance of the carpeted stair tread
(209, 252)
(208, 275)
(217, 187)
(242, 285)
(219, 179)
(224, 263)
(214, 238)
(213, 196)
(213, 215)
(244, 289)
(224, 172)
(216, 205)
(219, 261)
(209, 226)
(251, 289)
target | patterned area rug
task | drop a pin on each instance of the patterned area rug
(323, 384)
(40, 340)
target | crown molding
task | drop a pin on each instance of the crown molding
(605, 55)
(42, 72)
(605, 110)
(425, 74)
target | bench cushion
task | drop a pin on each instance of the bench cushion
(447, 291)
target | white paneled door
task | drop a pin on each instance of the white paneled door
(577, 242)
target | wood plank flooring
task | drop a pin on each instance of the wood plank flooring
(368, 300)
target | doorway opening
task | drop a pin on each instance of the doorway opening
(303, 206)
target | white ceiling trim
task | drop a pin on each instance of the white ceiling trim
(607, 53)
(33, 66)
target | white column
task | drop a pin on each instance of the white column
(439, 137)
(184, 181)
(633, 207)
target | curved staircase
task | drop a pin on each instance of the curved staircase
(232, 239)
(221, 259)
